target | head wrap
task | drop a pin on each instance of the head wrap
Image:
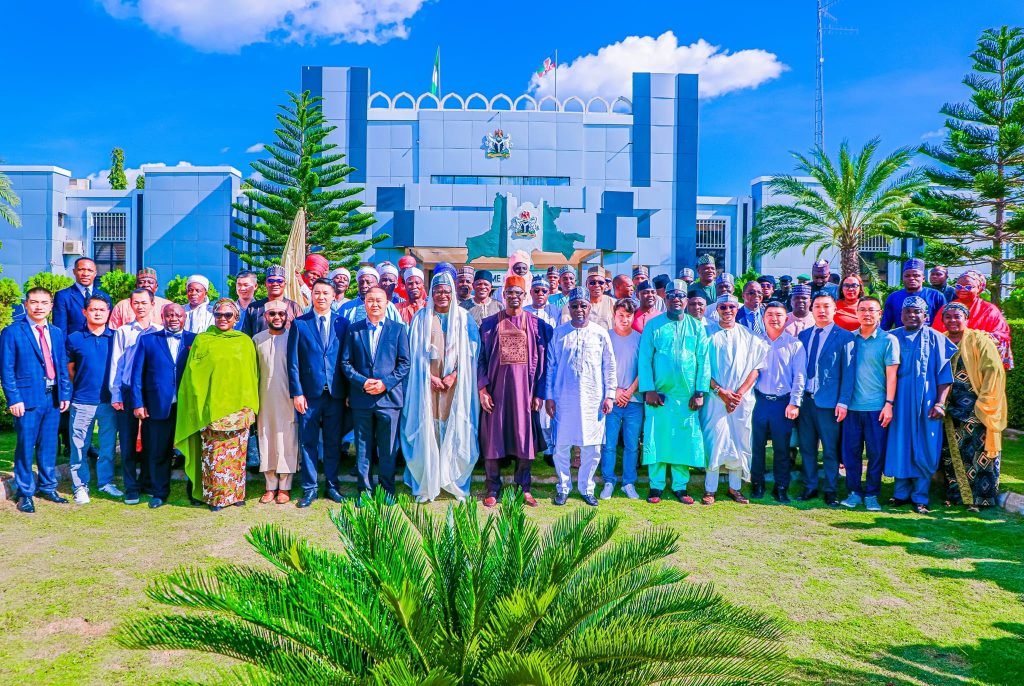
(146, 271)
(801, 289)
(579, 294)
(785, 278)
(820, 267)
(517, 257)
(446, 267)
(640, 269)
(412, 271)
(515, 280)
(914, 263)
(466, 271)
(706, 258)
(406, 261)
(199, 279)
(662, 281)
(685, 273)
(317, 262)
(552, 270)
(338, 272)
(644, 285)
(483, 275)
(915, 301)
(565, 269)
(958, 307)
(727, 299)
(697, 294)
(442, 278)
(274, 270)
(538, 281)
(676, 285)
(387, 268)
(368, 269)
(766, 278)
(725, 278)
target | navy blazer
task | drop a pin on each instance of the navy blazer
(23, 370)
(68, 304)
(837, 370)
(155, 376)
(311, 366)
(390, 365)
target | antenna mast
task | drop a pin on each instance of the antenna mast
(819, 75)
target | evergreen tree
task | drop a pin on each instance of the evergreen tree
(116, 177)
(302, 172)
(140, 181)
(975, 216)
(8, 201)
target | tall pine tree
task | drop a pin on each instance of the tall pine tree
(116, 177)
(302, 172)
(975, 216)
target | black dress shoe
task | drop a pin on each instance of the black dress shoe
(238, 503)
(830, 499)
(757, 491)
(216, 508)
(560, 499)
(195, 502)
(306, 500)
(808, 494)
(590, 500)
(898, 502)
(52, 497)
(26, 505)
(332, 494)
(155, 503)
(781, 496)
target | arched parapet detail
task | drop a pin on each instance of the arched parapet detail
(551, 102)
(622, 106)
(573, 104)
(493, 104)
(456, 98)
(477, 98)
(528, 101)
(375, 105)
(403, 97)
(598, 104)
(424, 102)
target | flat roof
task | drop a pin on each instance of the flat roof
(163, 169)
(766, 179)
(25, 168)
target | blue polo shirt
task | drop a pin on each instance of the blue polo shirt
(873, 354)
(91, 356)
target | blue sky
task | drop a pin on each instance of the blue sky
(200, 84)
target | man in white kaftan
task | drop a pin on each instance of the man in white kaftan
(581, 386)
(726, 420)
(439, 419)
(276, 427)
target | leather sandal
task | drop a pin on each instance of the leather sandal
(738, 497)
(708, 499)
(268, 497)
(282, 497)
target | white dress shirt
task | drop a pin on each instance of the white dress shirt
(123, 356)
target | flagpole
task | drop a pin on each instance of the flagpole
(439, 74)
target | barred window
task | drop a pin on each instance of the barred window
(109, 233)
(875, 244)
(711, 239)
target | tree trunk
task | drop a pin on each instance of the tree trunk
(995, 282)
(850, 258)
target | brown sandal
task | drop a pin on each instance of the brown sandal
(738, 497)
(267, 497)
(282, 497)
(708, 499)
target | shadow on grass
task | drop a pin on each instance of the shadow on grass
(992, 662)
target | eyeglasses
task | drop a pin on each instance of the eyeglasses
(964, 287)
(595, 282)
(515, 291)
(276, 315)
(578, 305)
(674, 295)
(275, 281)
(223, 315)
(851, 285)
(728, 307)
(540, 290)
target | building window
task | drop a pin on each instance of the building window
(109, 232)
(462, 180)
(875, 244)
(711, 239)
(62, 219)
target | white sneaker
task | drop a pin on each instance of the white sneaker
(82, 495)
(606, 492)
(112, 490)
(630, 492)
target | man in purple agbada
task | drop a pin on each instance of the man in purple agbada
(511, 377)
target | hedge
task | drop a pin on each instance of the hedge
(1015, 377)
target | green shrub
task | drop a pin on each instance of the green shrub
(10, 295)
(117, 285)
(48, 280)
(175, 291)
(1015, 377)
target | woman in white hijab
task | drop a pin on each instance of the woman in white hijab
(439, 420)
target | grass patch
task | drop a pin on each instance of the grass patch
(890, 598)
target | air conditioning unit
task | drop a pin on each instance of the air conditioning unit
(73, 248)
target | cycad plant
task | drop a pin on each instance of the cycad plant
(842, 207)
(9, 200)
(417, 598)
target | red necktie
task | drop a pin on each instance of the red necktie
(51, 373)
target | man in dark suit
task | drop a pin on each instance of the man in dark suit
(34, 376)
(318, 389)
(375, 359)
(827, 395)
(156, 373)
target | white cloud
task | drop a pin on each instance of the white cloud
(608, 73)
(99, 179)
(229, 25)
(937, 133)
(255, 147)
(224, 149)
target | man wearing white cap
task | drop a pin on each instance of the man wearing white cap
(387, 278)
(416, 293)
(354, 310)
(198, 315)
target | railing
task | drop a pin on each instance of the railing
(499, 103)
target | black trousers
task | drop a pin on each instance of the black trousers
(376, 435)
(158, 449)
(523, 475)
(134, 469)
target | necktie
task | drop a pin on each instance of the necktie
(322, 326)
(51, 373)
(812, 359)
(88, 293)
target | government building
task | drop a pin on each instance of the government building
(460, 178)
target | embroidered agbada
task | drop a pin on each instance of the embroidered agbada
(733, 354)
(580, 376)
(277, 429)
(915, 442)
(439, 428)
(673, 361)
(984, 316)
(512, 367)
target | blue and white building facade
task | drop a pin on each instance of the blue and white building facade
(617, 180)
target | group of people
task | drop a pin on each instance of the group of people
(682, 373)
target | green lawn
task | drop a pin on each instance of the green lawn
(893, 598)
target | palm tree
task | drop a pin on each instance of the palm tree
(842, 208)
(414, 598)
(8, 201)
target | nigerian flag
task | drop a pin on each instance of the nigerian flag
(435, 81)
